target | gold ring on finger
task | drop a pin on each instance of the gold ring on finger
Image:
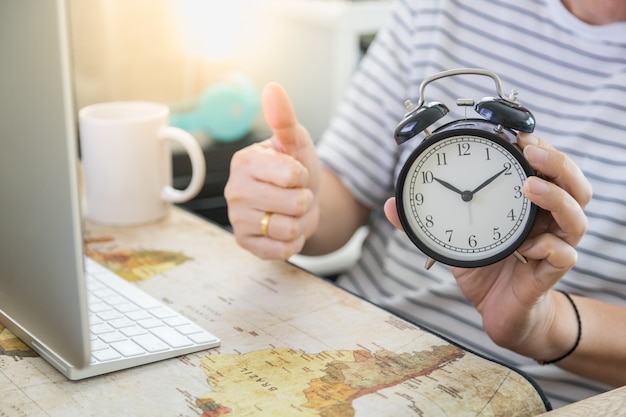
(265, 223)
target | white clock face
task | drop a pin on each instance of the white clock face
(461, 200)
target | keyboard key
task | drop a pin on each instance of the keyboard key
(175, 321)
(112, 337)
(133, 331)
(121, 322)
(203, 337)
(98, 344)
(101, 328)
(162, 312)
(150, 323)
(109, 315)
(103, 292)
(99, 307)
(150, 343)
(127, 307)
(171, 337)
(105, 355)
(188, 329)
(115, 299)
(138, 315)
(128, 348)
(94, 319)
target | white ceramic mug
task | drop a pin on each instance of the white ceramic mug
(127, 162)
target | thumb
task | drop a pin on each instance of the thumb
(392, 213)
(281, 119)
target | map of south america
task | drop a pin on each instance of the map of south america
(283, 381)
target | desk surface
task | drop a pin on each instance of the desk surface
(292, 344)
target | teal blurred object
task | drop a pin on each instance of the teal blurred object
(226, 111)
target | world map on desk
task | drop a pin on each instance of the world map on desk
(280, 355)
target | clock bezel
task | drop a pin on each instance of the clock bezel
(485, 130)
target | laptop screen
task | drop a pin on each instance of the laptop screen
(42, 297)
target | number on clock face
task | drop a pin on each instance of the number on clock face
(462, 200)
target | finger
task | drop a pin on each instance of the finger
(263, 163)
(274, 244)
(295, 202)
(565, 210)
(284, 228)
(266, 248)
(247, 222)
(391, 211)
(556, 166)
(556, 257)
(280, 118)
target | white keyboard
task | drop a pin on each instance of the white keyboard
(129, 327)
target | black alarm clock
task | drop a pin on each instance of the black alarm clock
(459, 195)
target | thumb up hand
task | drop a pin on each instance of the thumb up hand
(272, 188)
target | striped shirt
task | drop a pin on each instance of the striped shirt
(571, 75)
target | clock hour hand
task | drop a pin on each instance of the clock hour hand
(448, 185)
(489, 181)
(465, 195)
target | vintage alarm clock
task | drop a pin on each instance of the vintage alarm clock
(459, 195)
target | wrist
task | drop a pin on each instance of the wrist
(564, 332)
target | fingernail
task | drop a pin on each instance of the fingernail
(531, 139)
(538, 186)
(535, 154)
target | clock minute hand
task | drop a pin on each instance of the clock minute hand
(489, 181)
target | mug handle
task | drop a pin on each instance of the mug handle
(198, 165)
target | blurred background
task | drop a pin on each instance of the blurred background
(173, 51)
(208, 60)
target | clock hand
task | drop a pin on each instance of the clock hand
(465, 195)
(484, 184)
(448, 185)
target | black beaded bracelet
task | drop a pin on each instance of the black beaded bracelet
(580, 330)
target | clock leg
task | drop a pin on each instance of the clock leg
(429, 263)
(520, 257)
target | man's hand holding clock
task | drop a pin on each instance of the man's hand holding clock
(514, 299)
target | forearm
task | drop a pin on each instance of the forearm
(601, 353)
(551, 336)
(340, 215)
